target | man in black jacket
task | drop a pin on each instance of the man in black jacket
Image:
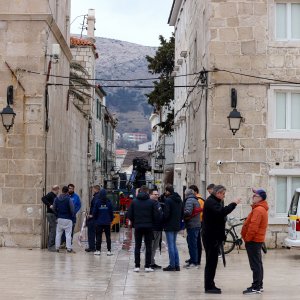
(51, 217)
(172, 217)
(142, 213)
(157, 229)
(90, 221)
(213, 233)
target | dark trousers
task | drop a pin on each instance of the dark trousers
(192, 238)
(139, 233)
(211, 247)
(99, 230)
(256, 265)
(52, 230)
(199, 247)
(91, 233)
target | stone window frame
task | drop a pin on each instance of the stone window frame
(272, 132)
(279, 218)
(273, 42)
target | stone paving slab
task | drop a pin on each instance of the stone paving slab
(42, 275)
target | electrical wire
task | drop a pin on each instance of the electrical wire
(115, 86)
(102, 79)
(254, 76)
(176, 76)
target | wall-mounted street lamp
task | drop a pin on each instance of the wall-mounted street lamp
(234, 118)
(160, 160)
(8, 114)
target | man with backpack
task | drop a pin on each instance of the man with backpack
(191, 214)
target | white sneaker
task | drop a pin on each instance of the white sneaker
(191, 266)
(97, 253)
(109, 253)
(149, 270)
(136, 269)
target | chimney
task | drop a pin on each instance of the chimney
(91, 20)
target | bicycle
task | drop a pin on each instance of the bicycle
(232, 239)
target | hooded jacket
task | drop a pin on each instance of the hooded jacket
(103, 211)
(214, 213)
(172, 212)
(143, 211)
(190, 204)
(255, 226)
(63, 207)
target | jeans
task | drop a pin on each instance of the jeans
(172, 248)
(139, 233)
(91, 233)
(212, 247)
(51, 218)
(192, 236)
(155, 245)
(199, 246)
(256, 265)
(63, 225)
(99, 231)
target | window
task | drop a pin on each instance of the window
(284, 112)
(98, 109)
(98, 152)
(285, 188)
(287, 110)
(288, 21)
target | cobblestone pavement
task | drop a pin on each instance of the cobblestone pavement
(39, 274)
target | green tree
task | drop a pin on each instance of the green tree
(163, 92)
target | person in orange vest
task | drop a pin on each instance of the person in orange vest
(201, 203)
(254, 233)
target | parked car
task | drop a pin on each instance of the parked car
(293, 239)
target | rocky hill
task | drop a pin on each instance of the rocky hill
(124, 60)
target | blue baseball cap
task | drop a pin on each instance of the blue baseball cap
(261, 192)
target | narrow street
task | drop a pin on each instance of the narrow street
(39, 274)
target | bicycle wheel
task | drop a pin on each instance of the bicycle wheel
(229, 242)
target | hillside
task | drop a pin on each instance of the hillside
(124, 60)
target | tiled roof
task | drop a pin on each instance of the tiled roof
(81, 42)
(121, 151)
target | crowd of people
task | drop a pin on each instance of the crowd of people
(151, 213)
(61, 215)
(204, 220)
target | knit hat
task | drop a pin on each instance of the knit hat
(262, 193)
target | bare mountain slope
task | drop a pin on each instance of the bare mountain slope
(124, 60)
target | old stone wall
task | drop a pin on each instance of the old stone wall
(243, 40)
(234, 36)
(32, 160)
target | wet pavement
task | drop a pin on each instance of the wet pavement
(39, 274)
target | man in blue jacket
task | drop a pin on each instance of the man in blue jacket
(90, 221)
(64, 209)
(77, 204)
(103, 216)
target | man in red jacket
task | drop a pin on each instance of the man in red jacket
(253, 233)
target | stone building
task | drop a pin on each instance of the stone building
(51, 141)
(245, 46)
(100, 123)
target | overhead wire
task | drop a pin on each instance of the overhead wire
(102, 79)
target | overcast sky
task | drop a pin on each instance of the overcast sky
(136, 21)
